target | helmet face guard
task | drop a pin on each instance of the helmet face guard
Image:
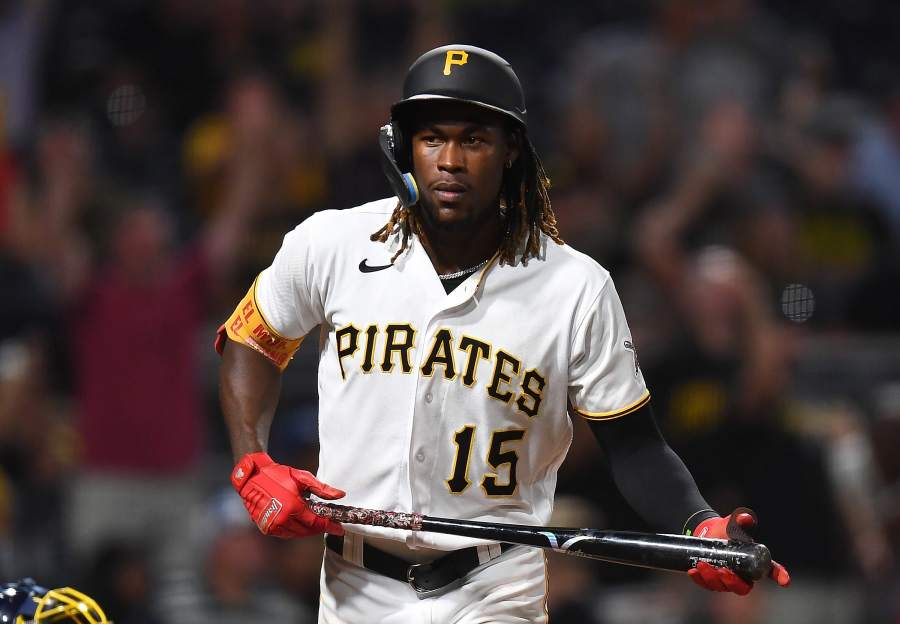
(68, 605)
(457, 73)
(26, 602)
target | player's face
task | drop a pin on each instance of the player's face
(459, 153)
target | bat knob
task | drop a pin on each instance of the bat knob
(755, 562)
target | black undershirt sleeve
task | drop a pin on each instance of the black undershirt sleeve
(648, 473)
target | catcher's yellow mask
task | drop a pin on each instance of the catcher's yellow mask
(26, 602)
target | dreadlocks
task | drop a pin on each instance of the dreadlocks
(525, 190)
(525, 193)
(404, 219)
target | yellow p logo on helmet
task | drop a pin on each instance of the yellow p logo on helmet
(455, 57)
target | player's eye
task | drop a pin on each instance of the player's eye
(430, 139)
(474, 139)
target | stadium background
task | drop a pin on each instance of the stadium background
(734, 163)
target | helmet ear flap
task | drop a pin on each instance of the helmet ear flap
(394, 159)
(401, 146)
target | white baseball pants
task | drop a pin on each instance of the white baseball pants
(510, 588)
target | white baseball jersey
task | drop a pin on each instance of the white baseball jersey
(451, 405)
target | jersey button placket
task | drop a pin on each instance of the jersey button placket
(425, 437)
(425, 433)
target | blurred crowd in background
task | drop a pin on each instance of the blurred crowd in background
(734, 163)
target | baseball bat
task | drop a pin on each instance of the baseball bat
(677, 553)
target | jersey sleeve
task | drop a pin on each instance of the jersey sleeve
(605, 379)
(286, 292)
(281, 306)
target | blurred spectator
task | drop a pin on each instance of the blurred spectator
(256, 133)
(37, 451)
(127, 305)
(119, 579)
(720, 390)
(297, 565)
(136, 144)
(723, 50)
(843, 240)
(614, 137)
(232, 581)
(143, 434)
(62, 188)
(37, 444)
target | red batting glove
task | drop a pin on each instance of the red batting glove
(719, 579)
(274, 497)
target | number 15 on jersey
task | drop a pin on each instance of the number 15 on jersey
(501, 457)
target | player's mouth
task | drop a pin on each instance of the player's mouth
(449, 192)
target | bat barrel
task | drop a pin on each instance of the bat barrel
(658, 551)
(673, 552)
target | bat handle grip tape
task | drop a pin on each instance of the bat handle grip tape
(371, 517)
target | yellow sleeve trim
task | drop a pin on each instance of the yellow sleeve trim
(641, 402)
(247, 325)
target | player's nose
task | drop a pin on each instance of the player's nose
(451, 157)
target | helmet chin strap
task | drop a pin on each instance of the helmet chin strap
(403, 184)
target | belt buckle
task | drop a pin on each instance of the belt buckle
(424, 592)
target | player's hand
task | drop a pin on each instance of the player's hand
(721, 579)
(274, 497)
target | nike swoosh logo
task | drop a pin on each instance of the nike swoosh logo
(365, 268)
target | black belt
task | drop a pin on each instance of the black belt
(428, 579)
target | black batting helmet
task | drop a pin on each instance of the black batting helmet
(455, 72)
(466, 74)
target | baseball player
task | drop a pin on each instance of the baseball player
(455, 328)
